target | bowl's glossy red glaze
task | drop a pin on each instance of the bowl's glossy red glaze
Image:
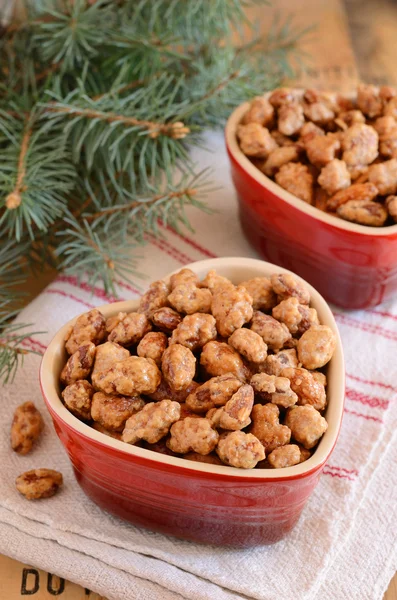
(351, 265)
(205, 503)
(193, 505)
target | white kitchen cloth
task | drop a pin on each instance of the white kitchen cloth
(344, 545)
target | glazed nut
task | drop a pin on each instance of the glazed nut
(273, 333)
(167, 319)
(249, 344)
(297, 317)
(209, 459)
(360, 144)
(213, 280)
(186, 412)
(130, 330)
(239, 449)
(153, 345)
(39, 483)
(78, 397)
(363, 212)
(296, 179)
(388, 143)
(195, 331)
(348, 118)
(307, 387)
(26, 428)
(235, 414)
(155, 298)
(369, 101)
(285, 456)
(282, 96)
(308, 132)
(316, 346)
(322, 149)
(357, 191)
(164, 392)
(112, 412)
(255, 140)
(160, 447)
(275, 363)
(286, 285)
(188, 298)
(89, 327)
(111, 322)
(387, 92)
(290, 118)
(116, 435)
(384, 125)
(281, 139)
(390, 109)
(274, 389)
(305, 453)
(317, 107)
(261, 291)
(193, 435)
(232, 308)
(152, 422)
(178, 366)
(183, 277)
(384, 177)
(334, 176)
(306, 424)
(130, 377)
(266, 427)
(391, 204)
(279, 157)
(218, 358)
(106, 356)
(260, 111)
(79, 364)
(358, 173)
(213, 393)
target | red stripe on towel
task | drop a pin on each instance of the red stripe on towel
(70, 296)
(371, 401)
(368, 417)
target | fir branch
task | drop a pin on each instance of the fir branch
(131, 206)
(141, 214)
(12, 337)
(36, 174)
(89, 250)
(140, 133)
(175, 130)
(13, 200)
(70, 32)
(100, 102)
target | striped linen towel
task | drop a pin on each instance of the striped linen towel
(345, 544)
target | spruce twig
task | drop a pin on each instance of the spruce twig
(13, 200)
(100, 102)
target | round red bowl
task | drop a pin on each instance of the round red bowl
(196, 501)
(352, 266)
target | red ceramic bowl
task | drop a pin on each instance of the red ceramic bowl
(196, 501)
(352, 265)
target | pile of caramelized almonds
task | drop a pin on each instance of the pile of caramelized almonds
(206, 370)
(337, 154)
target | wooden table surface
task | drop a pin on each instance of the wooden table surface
(354, 39)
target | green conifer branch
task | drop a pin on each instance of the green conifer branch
(100, 102)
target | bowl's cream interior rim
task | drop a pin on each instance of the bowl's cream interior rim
(231, 138)
(237, 269)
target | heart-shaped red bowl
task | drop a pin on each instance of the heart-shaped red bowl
(351, 265)
(196, 501)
